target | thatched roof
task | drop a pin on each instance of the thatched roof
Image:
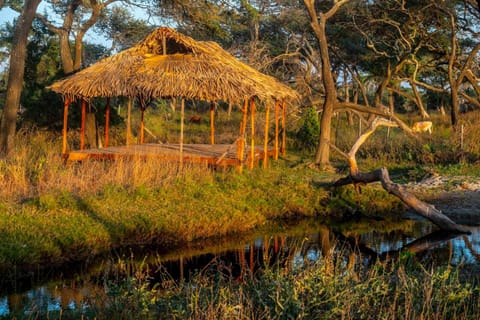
(187, 68)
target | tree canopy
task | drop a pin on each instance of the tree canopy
(367, 57)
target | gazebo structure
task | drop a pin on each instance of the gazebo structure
(168, 64)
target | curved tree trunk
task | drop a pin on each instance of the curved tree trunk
(318, 24)
(15, 76)
(451, 77)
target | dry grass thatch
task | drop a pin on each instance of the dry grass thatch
(169, 64)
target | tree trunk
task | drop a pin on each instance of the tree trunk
(322, 157)
(318, 23)
(65, 53)
(451, 77)
(418, 98)
(455, 106)
(15, 76)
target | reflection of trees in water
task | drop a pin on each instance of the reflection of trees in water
(331, 248)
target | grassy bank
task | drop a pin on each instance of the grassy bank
(56, 212)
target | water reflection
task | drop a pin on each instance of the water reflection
(289, 246)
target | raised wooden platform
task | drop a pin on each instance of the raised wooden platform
(216, 154)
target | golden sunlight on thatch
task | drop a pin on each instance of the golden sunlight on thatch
(170, 64)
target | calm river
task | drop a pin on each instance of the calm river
(286, 244)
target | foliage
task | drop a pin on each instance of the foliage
(329, 288)
(307, 135)
(120, 26)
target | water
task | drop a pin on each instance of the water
(289, 245)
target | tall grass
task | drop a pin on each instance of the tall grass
(56, 211)
(336, 286)
(330, 288)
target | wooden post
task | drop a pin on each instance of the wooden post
(284, 132)
(265, 141)
(252, 128)
(182, 120)
(129, 111)
(164, 45)
(65, 121)
(277, 107)
(142, 123)
(241, 140)
(230, 106)
(107, 122)
(82, 125)
(461, 137)
(212, 122)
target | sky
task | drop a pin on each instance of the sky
(7, 15)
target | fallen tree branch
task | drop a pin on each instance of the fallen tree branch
(422, 208)
(356, 177)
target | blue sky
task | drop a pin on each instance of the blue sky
(6, 15)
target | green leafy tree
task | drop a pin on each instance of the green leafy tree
(15, 76)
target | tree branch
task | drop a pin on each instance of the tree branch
(424, 209)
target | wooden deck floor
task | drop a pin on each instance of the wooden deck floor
(217, 154)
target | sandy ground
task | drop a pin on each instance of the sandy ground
(457, 197)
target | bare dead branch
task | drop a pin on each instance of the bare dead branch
(355, 177)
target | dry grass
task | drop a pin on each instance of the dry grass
(56, 211)
(36, 168)
(392, 146)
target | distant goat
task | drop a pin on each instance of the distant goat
(423, 126)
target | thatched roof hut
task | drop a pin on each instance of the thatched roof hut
(167, 64)
(170, 64)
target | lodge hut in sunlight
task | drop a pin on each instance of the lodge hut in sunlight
(168, 64)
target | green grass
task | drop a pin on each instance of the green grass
(336, 286)
(67, 212)
(52, 211)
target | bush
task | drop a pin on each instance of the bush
(307, 135)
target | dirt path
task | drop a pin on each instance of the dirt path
(457, 197)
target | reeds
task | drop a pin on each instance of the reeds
(333, 287)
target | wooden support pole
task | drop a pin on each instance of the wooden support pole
(252, 128)
(230, 106)
(107, 122)
(284, 129)
(65, 121)
(212, 122)
(82, 125)
(265, 141)
(182, 120)
(241, 140)
(277, 107)
(164, 45)
(142, 124)
(129, 111)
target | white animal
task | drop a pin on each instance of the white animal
(423, 126)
